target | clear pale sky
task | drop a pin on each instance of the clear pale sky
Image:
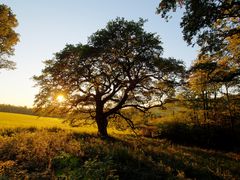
(46, 26)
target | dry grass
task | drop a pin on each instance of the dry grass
(33, 148)
(12, 120)
(51, 153)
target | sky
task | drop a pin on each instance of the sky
(46, 26)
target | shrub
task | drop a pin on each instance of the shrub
(35, 151)
(207, 136)
(58, 154)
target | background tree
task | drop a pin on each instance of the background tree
(8, 37)
(205, 22)
(214, 81)
(204, 92)
(214, 26)
(120, 68)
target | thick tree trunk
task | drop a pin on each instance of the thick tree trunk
(100, 118)
(102, 126)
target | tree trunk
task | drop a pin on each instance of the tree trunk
(102, 126)
(100, 118)
(229, 109)
(204, 107)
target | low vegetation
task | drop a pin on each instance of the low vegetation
(70, 153)
(51, 153)
(208, 136)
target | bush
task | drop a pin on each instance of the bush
(35, 151)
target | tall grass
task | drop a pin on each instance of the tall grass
(45, 148)
(57, 153)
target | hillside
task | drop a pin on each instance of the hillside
(33, 148)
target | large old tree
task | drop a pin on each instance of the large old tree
(118, 69)
(8, 37)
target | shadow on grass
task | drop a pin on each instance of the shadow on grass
(74, 155)
(193, 163)
(13, 131)
(192, 169)
(209, 136)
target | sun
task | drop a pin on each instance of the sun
(60, 98)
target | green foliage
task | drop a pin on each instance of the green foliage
(212, 87)
(65, 164)
(8, 37)
(99, 169)
(211, 91)
(208, 26)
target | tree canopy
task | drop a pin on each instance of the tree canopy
(8, 37)
(212, 87)
(205, 22)
(119, 68)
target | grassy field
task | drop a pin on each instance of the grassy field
(13, 120)
(33, 148)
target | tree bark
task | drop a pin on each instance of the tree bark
(204, 107)
(102, 126)
(101, 119)
(229, 108)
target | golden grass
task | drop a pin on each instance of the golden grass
(75, 152)
(12, 120)
(69, 155)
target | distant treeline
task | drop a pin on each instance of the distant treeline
(16, 109)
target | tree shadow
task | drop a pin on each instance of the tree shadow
(187, 162)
